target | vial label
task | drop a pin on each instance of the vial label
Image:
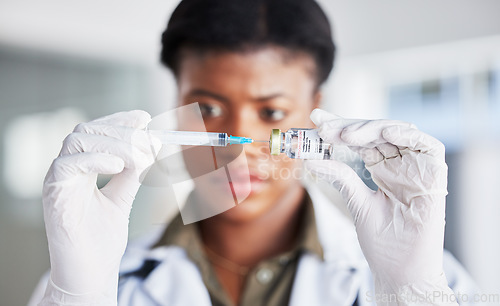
(310, 145)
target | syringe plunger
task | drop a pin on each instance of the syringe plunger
(198, 138)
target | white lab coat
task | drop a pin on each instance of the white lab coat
(338, 280)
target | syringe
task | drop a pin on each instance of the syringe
(198, 138)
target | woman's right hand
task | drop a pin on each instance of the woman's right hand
(87, 227)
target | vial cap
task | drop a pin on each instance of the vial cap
(275, 142)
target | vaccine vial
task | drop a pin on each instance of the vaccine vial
(299, 144)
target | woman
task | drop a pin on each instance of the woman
(252, 66)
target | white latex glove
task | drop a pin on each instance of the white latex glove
(400, 226)
(87, 227)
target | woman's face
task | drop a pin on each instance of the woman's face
(248, 94)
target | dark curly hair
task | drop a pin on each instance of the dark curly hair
(243, 25)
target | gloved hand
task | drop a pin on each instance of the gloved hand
(400, 226)
(87, 227)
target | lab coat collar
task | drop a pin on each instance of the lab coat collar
(336, 231)
(342, 258)
(180, 273)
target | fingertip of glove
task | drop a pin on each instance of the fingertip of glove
(349, 138)
(116, 164)
(392, 132)
(155, 143)
(319, 116)
(142, 118)
(316, 115)
(103, 163)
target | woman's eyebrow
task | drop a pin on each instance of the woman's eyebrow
(269, 97)
(204, 92)
(207, 93)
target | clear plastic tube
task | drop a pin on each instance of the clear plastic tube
(198, 138)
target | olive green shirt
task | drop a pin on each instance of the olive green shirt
(269, 282)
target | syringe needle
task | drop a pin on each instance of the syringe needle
(261, 141)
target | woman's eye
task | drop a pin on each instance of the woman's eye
(270, 114)
(210, 110)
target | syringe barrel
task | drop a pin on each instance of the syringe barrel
(191, 138)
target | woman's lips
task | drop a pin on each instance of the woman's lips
(241, 184)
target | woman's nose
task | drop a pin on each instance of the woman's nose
(247, 124)
(244, 123)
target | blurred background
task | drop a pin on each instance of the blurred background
(434, 63)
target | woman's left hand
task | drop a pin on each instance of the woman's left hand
(400, 226)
